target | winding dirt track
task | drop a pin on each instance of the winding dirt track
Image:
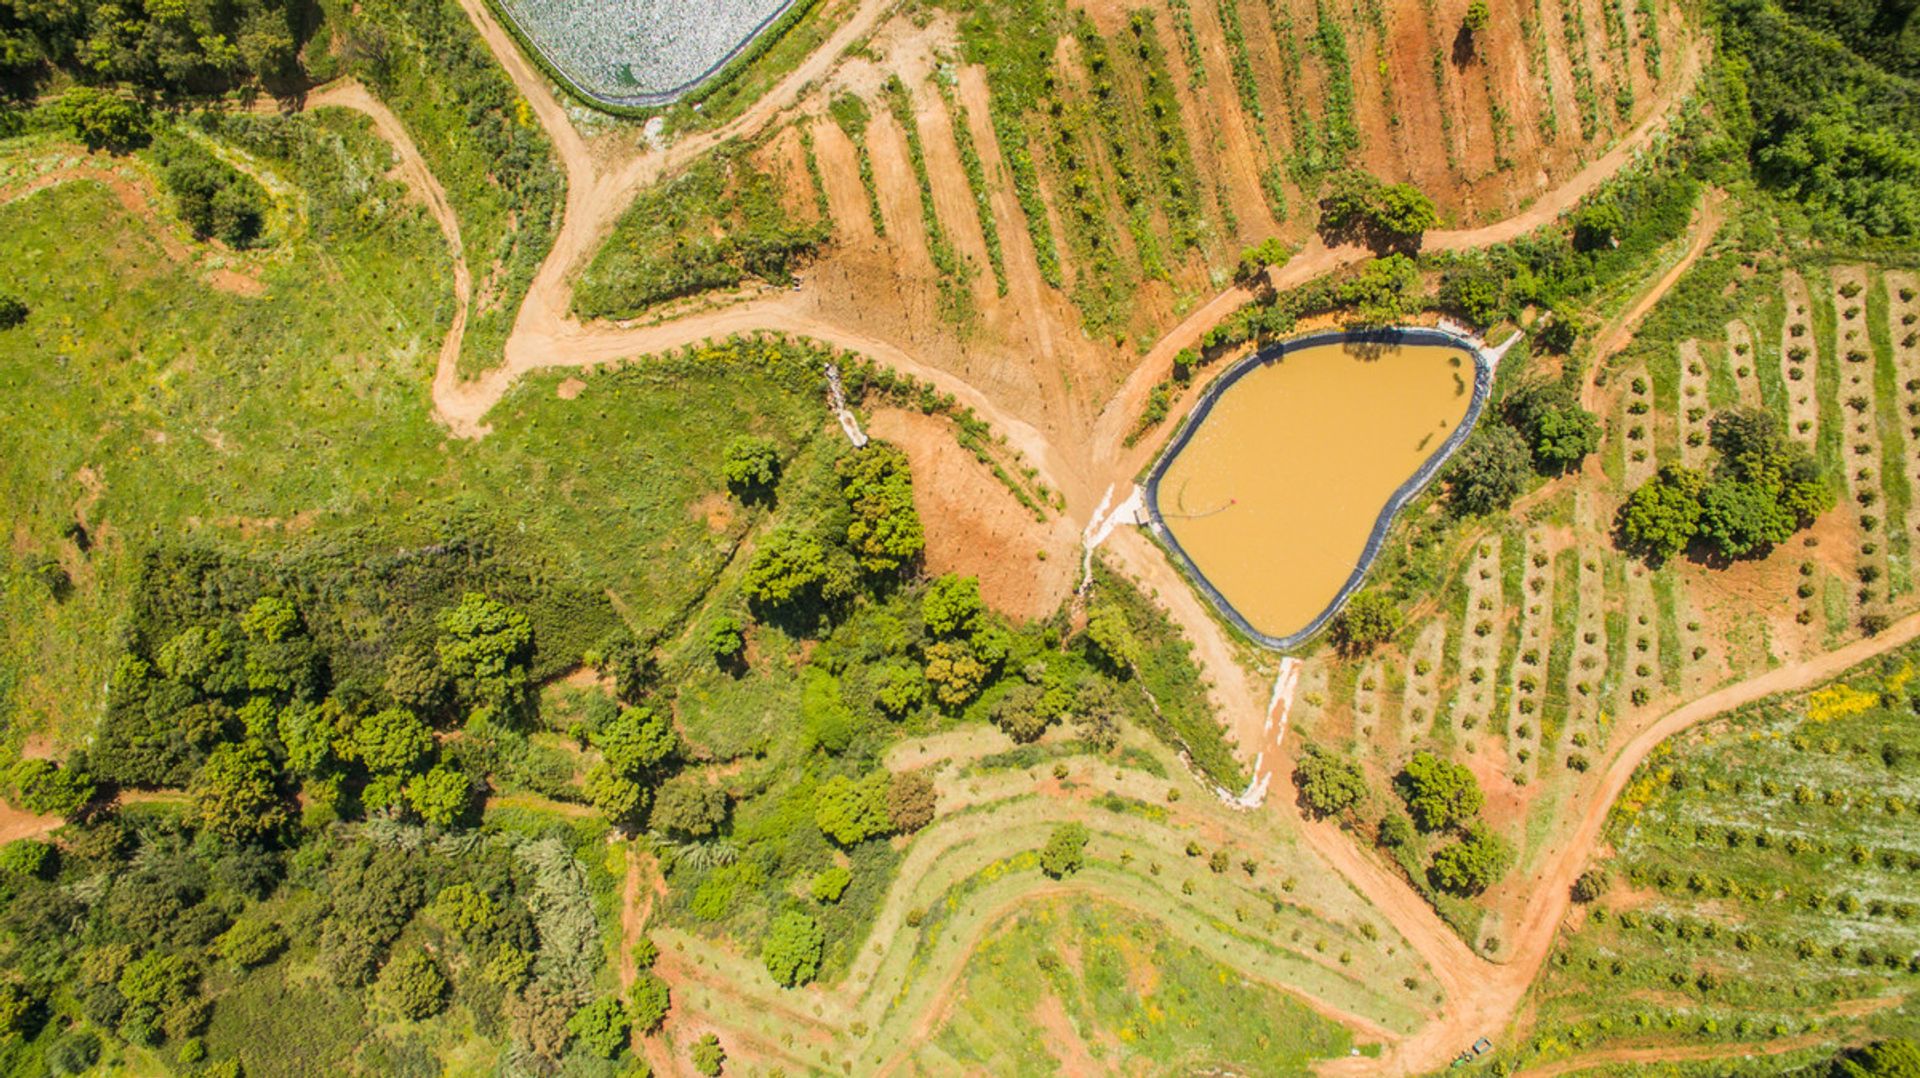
(1480, 995)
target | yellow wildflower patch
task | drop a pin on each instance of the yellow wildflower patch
(1839, 701)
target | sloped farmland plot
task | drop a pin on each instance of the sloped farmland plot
(640, 52)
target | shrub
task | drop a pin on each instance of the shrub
(1490, 471)
(412, 985)
(103, 119)
(601, 1027)
(1472, 864)
(1065, 851)
(1560, 432)
(849, 811)
(442, 795)
(47, 789)
(234, 796)
(708, 1057)
(1590, 886)
(830, 883)
(751, 467)
(13, 310)
(650, 999)
(726, 640)
(27, 857)
(1368, 620)
(688, 806)
(885, 533)
(793, 948)
(911, 801)
(250, 942)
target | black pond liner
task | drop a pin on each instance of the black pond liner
(1410, 335)
(643, 99)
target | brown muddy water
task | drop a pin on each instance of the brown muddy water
(1274, 495)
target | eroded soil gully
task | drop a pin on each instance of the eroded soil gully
(1480, 995)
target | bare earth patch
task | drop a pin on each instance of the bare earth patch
(974, 525)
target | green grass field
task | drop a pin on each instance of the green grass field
(1072, 983)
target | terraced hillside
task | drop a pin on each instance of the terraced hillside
(1032, 217)
(500, 587)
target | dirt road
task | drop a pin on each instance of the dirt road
(1480, 995)
(1617, 335)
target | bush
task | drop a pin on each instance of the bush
(1590, 886)
(1065, 851)
(848, 811)
(1471, 865)
(751, 467)
(234, 794)
(1328, 784)
(793, 948)
(1490, 472)
(13, 310)
(650, 999)
(45, 788)
(727, 641)
(412, 985)
(708, 1057)
(250, 942)
(1557, 429)
(830, 883)
(103, 119)
(601, 1027)
(27, 857)
(1368, 620)
(688, 806)
(885, 533)
(911, 801)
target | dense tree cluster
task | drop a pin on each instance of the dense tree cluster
(155, 49)
(1444, 797)
(1359, 208)
(1761, 488)
(1557, 429)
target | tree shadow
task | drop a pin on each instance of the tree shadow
(1463, 46)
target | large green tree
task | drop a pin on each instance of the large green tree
(234, 794)
(1439, 793)
(885, 532)
(793, 948)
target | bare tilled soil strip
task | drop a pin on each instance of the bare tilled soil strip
(1640, 681)
(1692, 420)
(1479, 637)
(1530, 669)
(1703, 659)
(840, 173)
(1799, 359)
(1743, 362)
(1588, 667)
(1903, 329)
(1369, 697)
(1860, 455)
(1422, 697)
(1637, 420)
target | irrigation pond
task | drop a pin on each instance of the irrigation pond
(1280, 486)
(640, 52)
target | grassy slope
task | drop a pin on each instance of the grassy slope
(213, 418)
